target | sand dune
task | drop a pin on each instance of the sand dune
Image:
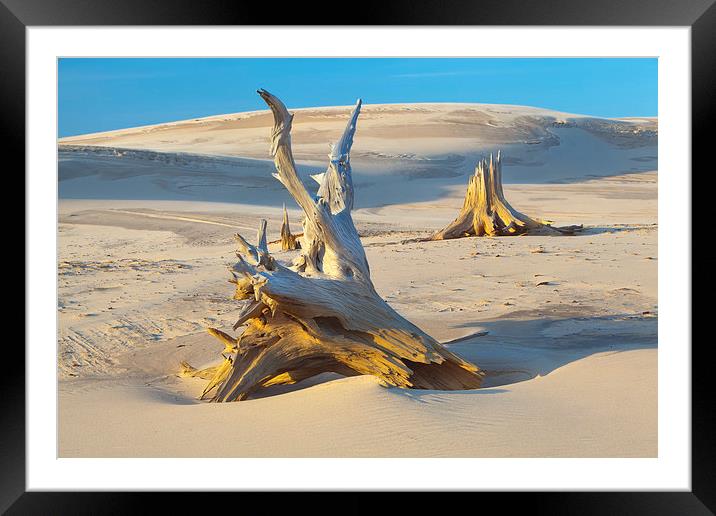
(378, 422)
(146, 223)
(206, 159)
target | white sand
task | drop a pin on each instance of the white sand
(144, 238)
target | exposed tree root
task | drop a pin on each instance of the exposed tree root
(322, 313)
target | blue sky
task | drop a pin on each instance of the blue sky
(114, 93)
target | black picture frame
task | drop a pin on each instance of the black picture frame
(700, 15)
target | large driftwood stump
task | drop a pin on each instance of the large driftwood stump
(485, 210)
(322, 313)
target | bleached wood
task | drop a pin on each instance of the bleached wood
(322, 313)
(289, 241)
(485, 211)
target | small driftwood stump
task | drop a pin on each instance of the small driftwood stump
(289, 241)
(485, 210)
(322, 313)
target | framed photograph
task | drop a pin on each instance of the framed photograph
(448, 252)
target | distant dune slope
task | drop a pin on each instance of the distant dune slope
(224, 158)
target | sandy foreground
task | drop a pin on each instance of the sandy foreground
(146, 224)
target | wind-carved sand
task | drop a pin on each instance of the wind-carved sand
(146, 224)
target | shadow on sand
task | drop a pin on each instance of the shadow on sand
(518, 350)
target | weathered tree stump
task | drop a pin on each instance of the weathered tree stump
(485, 210)
(289, 241)
(321, 313)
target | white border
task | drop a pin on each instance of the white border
(670, 471)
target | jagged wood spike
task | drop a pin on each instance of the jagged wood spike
(261, 244)
(251, 310)
(289, 241)
(220, 374)
(322, 314)
(318, 178)
(486, 212)
(229, 342)
(336, 185)
(215, 374)
(259, 253)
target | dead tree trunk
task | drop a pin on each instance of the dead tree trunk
(485, 210)
(289, 241)
(322, 313)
